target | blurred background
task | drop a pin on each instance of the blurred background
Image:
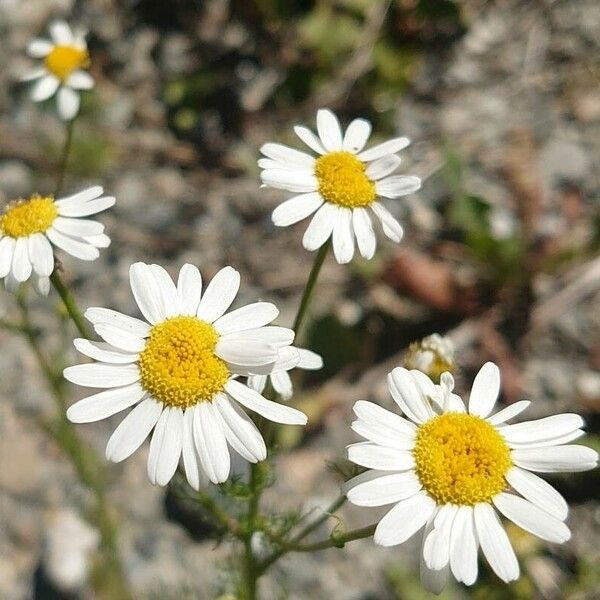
(501, 254)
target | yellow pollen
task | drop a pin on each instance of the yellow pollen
(26, 217)
(178, 365)
(342, 180)
(461, 459)
(63, 60)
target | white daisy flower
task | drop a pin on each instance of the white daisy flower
(28, 228)
(340, 184)
(179, 370)
(279, 377)
(449, 470)
(66, 61)
(433, 355)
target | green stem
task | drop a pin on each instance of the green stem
(330, 510)
(64, 159)
(70, 304)
(310, 286)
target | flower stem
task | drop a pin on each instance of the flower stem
(70, 304)
(310, 286)
(64, 158)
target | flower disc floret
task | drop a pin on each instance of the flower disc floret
(461, 459)
(26, 217)
(178, 365)
(342, 180)
(63, 60)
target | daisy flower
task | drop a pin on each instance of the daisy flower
(28, 228)
(339, 185)
(179, 370)
(64, 70)
(279, 377)
(451, 469)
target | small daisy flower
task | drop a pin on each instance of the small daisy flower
(339, 185)
(179, 369)
(433, 355)
(280, 379)
(28, 228)
(66, 61)
(450, 470)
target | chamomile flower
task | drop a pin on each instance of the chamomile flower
(279, 377)
(433, 355)
(64, 70)
(339, 185)
(29, 228)
(179, 370)
(450, 470)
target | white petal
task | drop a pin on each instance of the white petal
(71, 246)
(240, 431)
(297, 208)
(382, 166)
(297, 180)
(270, 410)
(531, 518)
(99, 375)
(495, 543)
(538, 491)
(309, 138)
(542, 429)
(189, 289)
(485, 390)
(103, 352)
(41, 255)
(408, 395)
(288, 358)
(250, 316)
(396, 186)
(343, 236)
(165, 446)
(219, 294)
(320, 227)
(309, 360)
(249, 354)
(34, 74)
(85, 209)
(390, 225)
(146, 292)
(98, 314)
(463, 546)
(390, 147)
(509, 412)
(382, 436)
(554, 441)
(42, 285)
(168, 292)
(39, 48)
(44, 88)
(363, 229)
(120, 338)
(380, 417)
(556, 459)
(105, 404)
(257, 382)
(404, 520)
(282, 384)
(80, 198)
(78, 227)
(436, 549)
(211, 443)
(61, 33)
(99, 241)
(356, 135)
(329, 130)
(193, 470)
(288, 156)
(381, 458)
(7, 249)
(272, 334)
(21, 265)
(133, 430)
(80, 80)
(432, 581)
(67, 101)
(384, 489)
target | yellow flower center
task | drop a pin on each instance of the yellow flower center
(63, 60)
(26, 217)
(342, 180)
(178, 365)
(461, 459)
